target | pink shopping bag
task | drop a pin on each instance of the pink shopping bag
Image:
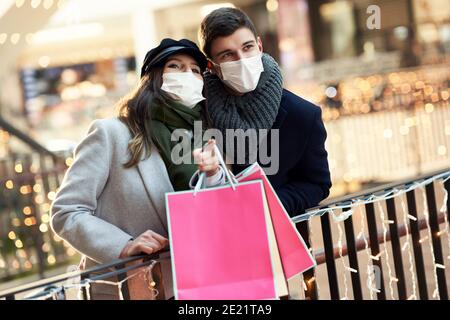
(220, 243)
(295, 256)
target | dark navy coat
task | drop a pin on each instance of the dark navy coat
(303, 178)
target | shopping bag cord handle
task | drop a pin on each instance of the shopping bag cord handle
(231, 179)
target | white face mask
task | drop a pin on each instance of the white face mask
(242, 75)
(184, 87)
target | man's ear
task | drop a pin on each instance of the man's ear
(210, 67)
(213, 68)
(259, 42)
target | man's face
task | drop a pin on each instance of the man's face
(241, 44)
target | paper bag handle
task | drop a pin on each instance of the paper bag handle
(230, 177)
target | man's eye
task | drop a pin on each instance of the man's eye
(196, 71)
(248, 47)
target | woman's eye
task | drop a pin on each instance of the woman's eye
(174, 66)
(196, 71)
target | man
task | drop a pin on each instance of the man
(245, 91)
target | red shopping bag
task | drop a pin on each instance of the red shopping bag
(222, 243)
(295, 256)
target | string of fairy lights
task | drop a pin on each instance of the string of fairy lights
(72, 26)
(384, 223)
(407, 245)
(435, 293)
(15, 38)
(311, 280)
(26, 218)
(337, 213)
(402, 121)
(369, 269)
(339, 219)
(355, 205)
(151, 285)
(79, 286)
(25, 204)
(341, 259)
(444, 211)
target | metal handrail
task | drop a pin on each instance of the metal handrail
(375, 190)
(86, 273)
(319, 255)
(33, 144)
(387, 193)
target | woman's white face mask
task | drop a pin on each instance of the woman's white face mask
(184, 87)
(242, 75)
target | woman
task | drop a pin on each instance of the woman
(178, 103)
(110, 204)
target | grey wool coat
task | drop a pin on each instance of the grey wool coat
(101, 205)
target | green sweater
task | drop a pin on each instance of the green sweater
(164, 120)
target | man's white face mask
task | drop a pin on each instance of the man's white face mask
(184, 87)
(242, 75)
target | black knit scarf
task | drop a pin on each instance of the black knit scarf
(257, 109)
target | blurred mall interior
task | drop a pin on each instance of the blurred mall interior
(384, 92)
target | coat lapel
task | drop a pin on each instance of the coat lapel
(156, 181)
(280, 117)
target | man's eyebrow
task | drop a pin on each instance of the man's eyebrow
(248, 42)
(228, 50)
(222, 52)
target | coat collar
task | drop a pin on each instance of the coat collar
(156, 181)
(281, 116)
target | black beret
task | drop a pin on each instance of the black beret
(168, 47)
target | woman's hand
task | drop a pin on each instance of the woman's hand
(149, 242)
(207, 159)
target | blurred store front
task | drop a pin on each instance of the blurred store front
(76, 62)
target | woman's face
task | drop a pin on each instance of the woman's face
(182, 63)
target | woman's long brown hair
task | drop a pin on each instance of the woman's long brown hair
(135, 112)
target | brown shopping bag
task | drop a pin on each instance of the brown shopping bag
(151, 282)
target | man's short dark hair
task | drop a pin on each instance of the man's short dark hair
(223, 22)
